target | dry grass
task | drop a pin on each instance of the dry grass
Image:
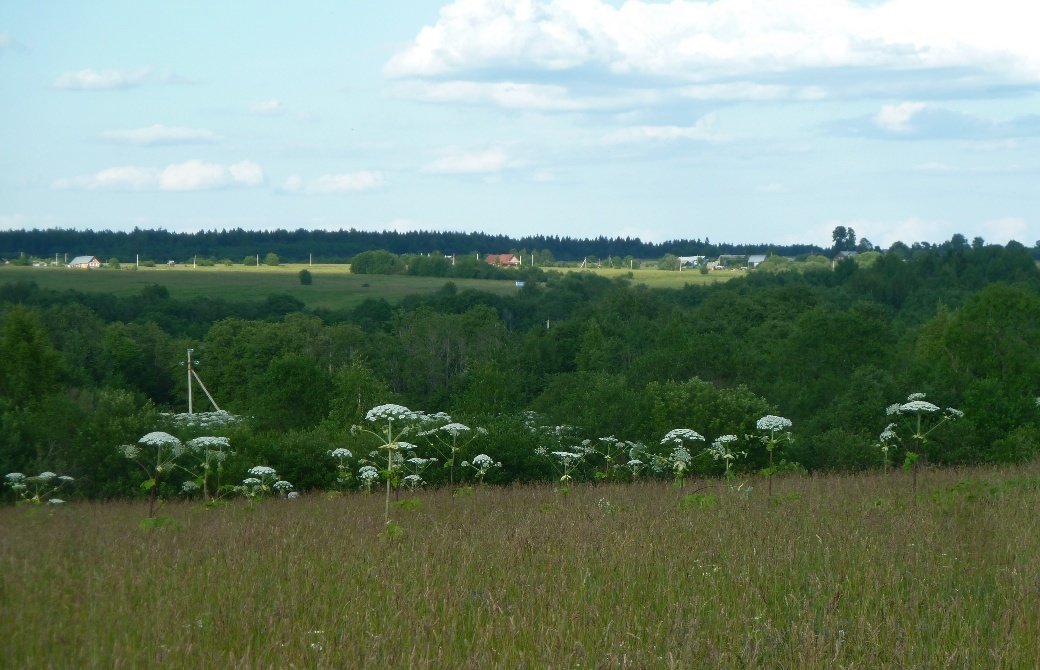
(833, 572)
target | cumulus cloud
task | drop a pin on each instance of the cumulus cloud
(490, 160)
(897, 118)
(541, 55)
(724, 40)
(159, 134)
(923, 121)
(517, 95)
(702, 131)
(351, 182)
(193, 175)
(93, 80)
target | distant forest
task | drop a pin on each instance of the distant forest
(829, 349)
(342, 245)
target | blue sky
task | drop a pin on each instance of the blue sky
(734, 120)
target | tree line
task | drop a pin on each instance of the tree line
(828, 348)
(342, 245)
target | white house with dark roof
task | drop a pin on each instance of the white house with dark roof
(85, 262)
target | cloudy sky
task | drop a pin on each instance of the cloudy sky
(735, 120)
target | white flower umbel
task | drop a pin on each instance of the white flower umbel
(389, 424)
(449, 440)
(205, 462)
(920, 418)
(679, 459)
(774, 433)
(264, 481)
(34, 490)
(159, 455)
(342, 457)
(481, 465)
(205, 420)
(722, 449)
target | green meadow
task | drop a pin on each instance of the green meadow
(333, 286)
(831, 572)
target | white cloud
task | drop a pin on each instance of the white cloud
(351, 182)
(92, 80)
(193, 175)
(159, 134)
(272, 107)
(1003, 230)
(747, 90)
(514, 95)
(727, 40)
(701, 131)
(488, 161)
(897, 118)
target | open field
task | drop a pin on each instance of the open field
(835, 571)
(663, 278)
(333, 288)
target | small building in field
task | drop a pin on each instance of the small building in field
(754, 260)
(85, 262)
(507, 260)
(690, 261)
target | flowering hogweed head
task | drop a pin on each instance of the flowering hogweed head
(918, 407)
(130, 451)
(251, 481)
(55, 501)
(773, 423)
(915, 396)
(680, 435)
(189, 486)
(889, 433)
(952, 413)
(341, 453)
(204, 443)
(483, 461)
(159, 439)
(282, 485)
(262, 471)
(391, 412)
(14, 477)
(292, 495)
(46, 476)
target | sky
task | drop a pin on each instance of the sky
(743, 121)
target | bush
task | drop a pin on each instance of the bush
(305, 277)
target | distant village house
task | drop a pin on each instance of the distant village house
(507, 260)
(86, 262)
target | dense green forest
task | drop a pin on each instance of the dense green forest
(829, 349)
(342, 245)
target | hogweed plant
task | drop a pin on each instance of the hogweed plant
(449, 440)
(679, 459)
(157, 455)
(481, 465)
(342, 457)
(263, 481)
(389, 424)
(921, 418)
(773, 433)
(722, 449)
(208, 455)
(611, 451)
(565, 463)
(368, 475)
(887, 442)
(38, 489)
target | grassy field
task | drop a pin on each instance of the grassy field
(833, 572)
(664, 278)
(333, 288)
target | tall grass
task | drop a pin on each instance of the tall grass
(832, 572)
